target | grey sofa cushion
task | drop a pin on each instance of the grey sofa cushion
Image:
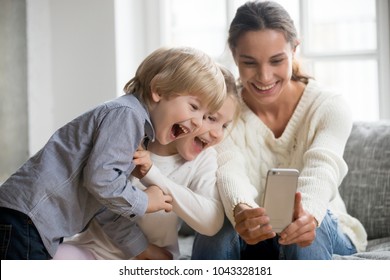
(377, 249)
(366, 188)
(382, 255)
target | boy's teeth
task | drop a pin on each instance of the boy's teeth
(185, 130)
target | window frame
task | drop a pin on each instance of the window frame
(381, 54)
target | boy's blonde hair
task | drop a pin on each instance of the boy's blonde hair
(179, 71)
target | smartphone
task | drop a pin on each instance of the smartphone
(279, 196)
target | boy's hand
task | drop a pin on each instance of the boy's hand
(142, 161)
(157, 200)
(154, 252)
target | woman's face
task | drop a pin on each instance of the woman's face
(264, 60)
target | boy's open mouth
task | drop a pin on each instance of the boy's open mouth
(178, 130)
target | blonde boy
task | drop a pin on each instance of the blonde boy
(184, 169)
(83, 170)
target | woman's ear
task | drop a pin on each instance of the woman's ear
(234, 57)
(297, 42)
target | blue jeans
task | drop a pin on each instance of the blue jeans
(226, 244)
(19, 238)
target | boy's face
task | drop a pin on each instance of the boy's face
(176, 117)
(210, 134)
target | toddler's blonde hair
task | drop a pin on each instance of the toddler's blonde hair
(231, 90)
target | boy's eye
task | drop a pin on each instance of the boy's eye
(194, 106)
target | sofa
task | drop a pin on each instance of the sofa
(365, 189)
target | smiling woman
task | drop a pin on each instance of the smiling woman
(347, 50)
(288, 121)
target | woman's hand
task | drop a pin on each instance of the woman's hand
(252, 224)
(302, 230)
(142, 161)
(154, 252)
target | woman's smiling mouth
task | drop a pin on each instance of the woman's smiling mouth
(263, 88)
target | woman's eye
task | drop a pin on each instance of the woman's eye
(277, 61)
(249, 63)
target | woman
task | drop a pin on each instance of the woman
(287, 121)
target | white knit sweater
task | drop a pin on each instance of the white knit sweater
(313, 142)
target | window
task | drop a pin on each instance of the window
(340, 45)
(341, 48)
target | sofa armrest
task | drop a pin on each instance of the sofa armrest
(366, 187)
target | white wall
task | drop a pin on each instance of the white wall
(81, 53)
(13, 86)
(139, 29)
(71, 62)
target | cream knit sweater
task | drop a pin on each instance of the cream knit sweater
(313, 142)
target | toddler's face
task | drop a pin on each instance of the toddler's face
(210, 134)
(176, 117)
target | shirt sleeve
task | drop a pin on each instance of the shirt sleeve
(198, 204)
(110, 163)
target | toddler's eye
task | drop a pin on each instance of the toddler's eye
(212, 119)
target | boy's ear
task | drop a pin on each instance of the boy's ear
(156, 97)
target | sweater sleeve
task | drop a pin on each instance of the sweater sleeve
(232, 179)
(323, 165)
(198, 204)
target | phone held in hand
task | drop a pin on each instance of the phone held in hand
(279, 196)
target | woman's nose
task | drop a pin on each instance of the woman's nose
(264, 74)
